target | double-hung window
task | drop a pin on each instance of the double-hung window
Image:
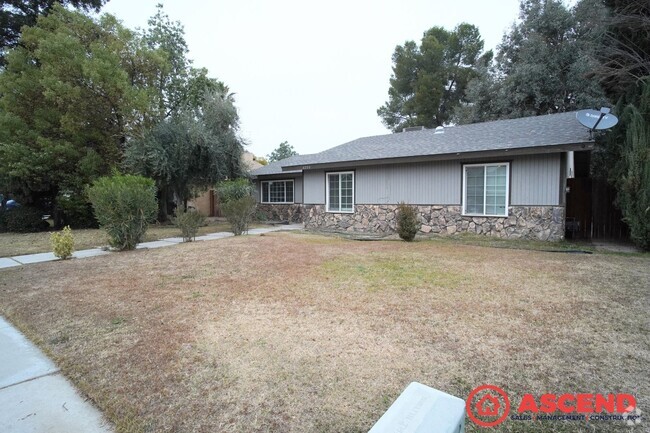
(485, 189)
(277, 191)
(340, 192)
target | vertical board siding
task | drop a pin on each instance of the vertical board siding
(419, 183)
(297, 190)
(535, 180)
(256, 188)
(314, 187)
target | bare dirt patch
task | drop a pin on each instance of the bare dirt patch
(301, 333)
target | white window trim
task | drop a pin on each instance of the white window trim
(285, 191)
(327, 191)
(487, 164)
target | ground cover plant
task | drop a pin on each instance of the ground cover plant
(295, 332)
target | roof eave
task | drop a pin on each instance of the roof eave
(554, 148)
(282, 174)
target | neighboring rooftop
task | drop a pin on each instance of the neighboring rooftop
(523, 133)
(276, 167)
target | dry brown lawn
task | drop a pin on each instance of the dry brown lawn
(300, 333)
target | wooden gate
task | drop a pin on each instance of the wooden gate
(590, 210)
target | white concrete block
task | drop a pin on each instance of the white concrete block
(421, 409)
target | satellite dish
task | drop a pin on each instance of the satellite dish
(597, 120)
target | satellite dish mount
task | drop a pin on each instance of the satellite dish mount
(596, 120)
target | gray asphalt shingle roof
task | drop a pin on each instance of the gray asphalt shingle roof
(276, 167)
(526, 132)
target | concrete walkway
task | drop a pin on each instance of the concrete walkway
(10, 262)
(35, 397)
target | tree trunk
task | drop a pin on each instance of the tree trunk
(162, 205)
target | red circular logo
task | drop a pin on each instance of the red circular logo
(491, 407)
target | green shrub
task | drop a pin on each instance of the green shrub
(407, 222)
(261, 216)
(237, 203)
(189, 222)
(229, 190)
(124, 205)
(239, 213)
(634, 182)
(25, 219)
(63, 243)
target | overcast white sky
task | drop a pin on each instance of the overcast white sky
(310, 73)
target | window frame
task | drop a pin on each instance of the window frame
(285, 191)
(327, 191)
(485, 165)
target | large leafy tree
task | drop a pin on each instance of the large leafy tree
(284, 150)
(72, 93)
(191, 150)
(429, 80)
(542, 65)
(177, 84)
(15, 14)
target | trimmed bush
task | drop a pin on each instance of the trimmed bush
(407, 222)
(124, 205)
(189, 222)
(237, 203)
(24, 219)
(63, 243)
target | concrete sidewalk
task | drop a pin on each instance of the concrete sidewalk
(35, 397)
(10, 262)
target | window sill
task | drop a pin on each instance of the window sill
(341, 211)
(483, 215)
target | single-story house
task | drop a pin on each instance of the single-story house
(504, 178)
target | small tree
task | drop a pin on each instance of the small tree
(124, 205)
(284, 150)
(407, 222)
(237, 203)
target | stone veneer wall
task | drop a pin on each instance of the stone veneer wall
(282, 212)
(526, 222)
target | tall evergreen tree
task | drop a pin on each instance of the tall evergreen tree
(542, 65)
(284, 150)
(623, 155)
(429, 80)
